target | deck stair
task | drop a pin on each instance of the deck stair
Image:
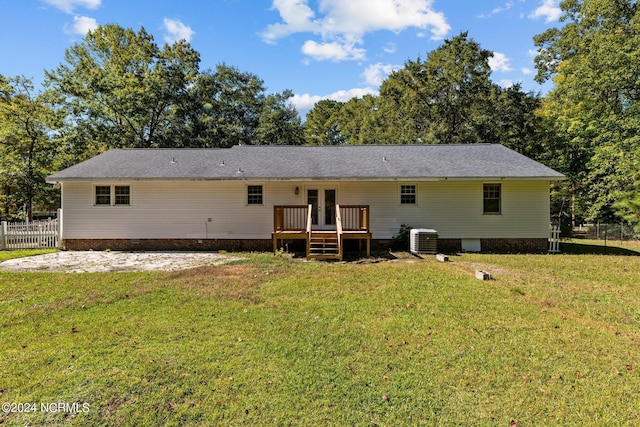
(294, 222)
(323, 245)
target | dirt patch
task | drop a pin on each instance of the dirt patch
(90, 262)
(235, 282)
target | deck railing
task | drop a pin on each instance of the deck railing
(298, 217)
(355, 217)
(290, 218)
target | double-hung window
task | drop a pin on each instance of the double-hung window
(123, 195)
(254, 194)
(112, 195)
(408, 194)
(103, 195)
(492, 199)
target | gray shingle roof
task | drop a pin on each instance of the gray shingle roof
(335, 163)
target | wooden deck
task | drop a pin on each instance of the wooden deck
(294, 223)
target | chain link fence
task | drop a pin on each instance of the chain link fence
(603, 231)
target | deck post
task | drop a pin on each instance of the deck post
(60, 223)
(3, 234)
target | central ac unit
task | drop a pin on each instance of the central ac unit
(423, 241)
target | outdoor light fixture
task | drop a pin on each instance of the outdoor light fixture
(297, 191)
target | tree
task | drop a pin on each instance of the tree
(322, 125)
(226, 107)
(28, 148)
(594, 63)
(518, 126)
(120, 89)
(360, 122)
(447, 97)
(279, 123)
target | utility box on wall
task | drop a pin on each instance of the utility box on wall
(423, 241)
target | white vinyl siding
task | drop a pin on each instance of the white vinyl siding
(218, 209)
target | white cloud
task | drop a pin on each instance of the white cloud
(375, 74)
(346, 22)
(81, 25)
(526, 71)
(506, 83)
(69, 5)
(389, 48)
(500, 62)
(549, 9)
(176, 30)
(332, 51)
(361, 16)
(297, 17)
(304, 103)
(498, 10)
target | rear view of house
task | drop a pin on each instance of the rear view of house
(477, 197)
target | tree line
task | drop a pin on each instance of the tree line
(119, 89)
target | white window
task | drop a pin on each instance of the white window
(254, 194)
(103, 195)
(112, 195)
(492, 199)
(408, 194)
(123, 195)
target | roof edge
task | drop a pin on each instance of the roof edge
(52, 180)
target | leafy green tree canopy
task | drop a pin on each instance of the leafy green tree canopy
(447, 98)
(227, 106)
(594, 62)
(120, 89)
(28, 148)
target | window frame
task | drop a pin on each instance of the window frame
(96, 196)
(115, 195)
(488, 191)
(255, 199)
(112, 195)
(408, 194)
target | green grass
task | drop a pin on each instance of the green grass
(7, 255)
(553, 340)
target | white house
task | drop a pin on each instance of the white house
(477, 197)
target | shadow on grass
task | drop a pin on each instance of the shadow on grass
(579, 248)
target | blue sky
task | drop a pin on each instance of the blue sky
(319, 49)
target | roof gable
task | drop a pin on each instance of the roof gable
(368, 162)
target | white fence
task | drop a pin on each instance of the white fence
(554, 239)
(30, 235)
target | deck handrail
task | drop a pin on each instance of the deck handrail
(309, 226)
(339, 230)
(309, 218)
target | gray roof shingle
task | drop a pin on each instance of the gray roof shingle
(335, 163)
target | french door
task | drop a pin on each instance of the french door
(323, 201)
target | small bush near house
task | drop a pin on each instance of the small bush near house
(401, 240)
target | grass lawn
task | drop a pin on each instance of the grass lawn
(553, 340)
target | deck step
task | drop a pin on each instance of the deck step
(324, 246)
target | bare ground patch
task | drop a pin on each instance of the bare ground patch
(90, 262)
(236, 282)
